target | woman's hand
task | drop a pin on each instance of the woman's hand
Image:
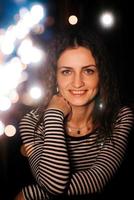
(58, 102)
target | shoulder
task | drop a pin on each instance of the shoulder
(125, 112)
(125, 116)
(31, 116)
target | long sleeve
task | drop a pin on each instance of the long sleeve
(108, 160)
(34, 192)
(47, 150)
(81, 166)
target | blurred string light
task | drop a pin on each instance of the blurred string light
(28, 53)
(10, 130)
(107, 19)
(17, 51)
(5, 103)
(35, 92)
(33, 95)
(2, 127)
(73, 19)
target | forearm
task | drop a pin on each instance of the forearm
(109, 159)
(31, 192)
(54, 162)
(48, 155)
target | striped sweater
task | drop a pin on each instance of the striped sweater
(68, 165)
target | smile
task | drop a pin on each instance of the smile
(78, 92)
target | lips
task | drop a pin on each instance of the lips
(78, 92)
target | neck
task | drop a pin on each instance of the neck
(81, 115)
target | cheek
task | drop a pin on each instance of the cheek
(94, 83)
(62, 82)
(61, 86)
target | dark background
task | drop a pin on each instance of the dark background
(14, 170)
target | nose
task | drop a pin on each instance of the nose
(77, 81)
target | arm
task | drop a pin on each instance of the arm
(31, 192)
(47, 151)
(108, 161)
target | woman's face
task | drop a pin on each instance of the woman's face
(77, 76)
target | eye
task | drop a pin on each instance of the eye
(66, 72)
(89, 71)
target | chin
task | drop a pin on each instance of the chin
(78, 103)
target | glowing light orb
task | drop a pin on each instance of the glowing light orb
(73, 20)
(10, 130)
(107, 19)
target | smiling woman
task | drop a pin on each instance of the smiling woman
(77, 76)
(78, 82)
(76, 140)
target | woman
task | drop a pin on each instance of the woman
(76, 141)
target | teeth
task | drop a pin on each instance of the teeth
(77, 92)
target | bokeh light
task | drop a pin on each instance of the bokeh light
(35, 92)
(5, 103)
(18, 51)
(10, 130)
(73, 19)
(2, 127)
(107, 19)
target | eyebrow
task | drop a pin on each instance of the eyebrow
(91, 65)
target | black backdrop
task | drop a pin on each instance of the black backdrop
(14, 169)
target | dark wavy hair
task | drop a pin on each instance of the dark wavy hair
(108, 96)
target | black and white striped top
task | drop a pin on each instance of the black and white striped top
(71, 165)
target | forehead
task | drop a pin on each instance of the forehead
(76, 55)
